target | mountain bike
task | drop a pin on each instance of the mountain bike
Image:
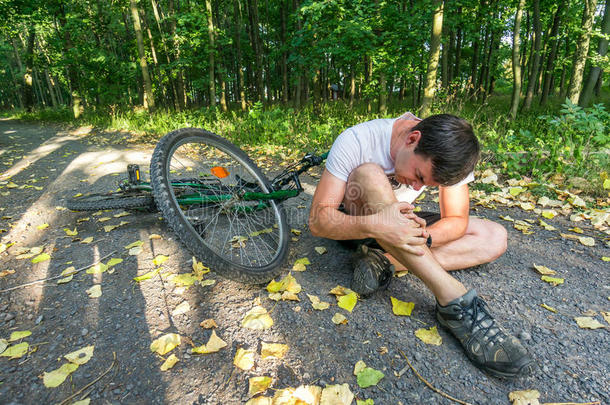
(217, 200)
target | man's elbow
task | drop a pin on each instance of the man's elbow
(314, 225)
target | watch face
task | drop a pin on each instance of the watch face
(393, 182)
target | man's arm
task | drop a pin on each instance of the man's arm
(325, 220)
(454, 203)
(395, 224)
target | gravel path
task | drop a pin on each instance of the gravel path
(573, 363)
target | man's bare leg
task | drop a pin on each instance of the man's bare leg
(369, 192)
(463, 313)
(483, 242)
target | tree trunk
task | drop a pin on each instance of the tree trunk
(582, 49)
(516, 62)
(450, 56)
(475, 50)
(458, 49)
(211, 54)
(28, 76)
(149, 100)
(240, 71)
(383, 95)
(562, 81)
(595, 71)
(285, 88)
(352, 87)
(533, 78)
(70, 70)
(445, 59)
(550, 62)
(180, 84)
(256, 46)
(435, 44)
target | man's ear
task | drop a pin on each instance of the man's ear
(413, 138)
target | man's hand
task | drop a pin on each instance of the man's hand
(399, 226)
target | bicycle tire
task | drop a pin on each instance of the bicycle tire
(198, 242)
(106, 201)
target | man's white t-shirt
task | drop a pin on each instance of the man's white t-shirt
(369, 142)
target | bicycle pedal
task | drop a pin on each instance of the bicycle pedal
(133, 171)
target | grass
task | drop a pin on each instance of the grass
(533, 145)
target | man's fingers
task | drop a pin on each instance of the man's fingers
(404, 206)
(420, 221)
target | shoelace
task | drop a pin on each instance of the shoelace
(476, 307)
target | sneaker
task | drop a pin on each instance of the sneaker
(486, 343)
(372, 271)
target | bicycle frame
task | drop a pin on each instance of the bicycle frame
(285, 185)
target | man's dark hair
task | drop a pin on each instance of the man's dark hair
(451, 145)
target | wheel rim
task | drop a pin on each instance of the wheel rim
(237, 231)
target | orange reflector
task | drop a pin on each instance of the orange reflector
(219, 172)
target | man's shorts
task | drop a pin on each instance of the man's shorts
(430, 217)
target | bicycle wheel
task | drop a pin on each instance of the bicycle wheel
(113, 200)
(242, 240)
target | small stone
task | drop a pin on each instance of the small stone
(523, 335)
(39, 319)
(187, 356)
(11, 323)
(9, 316)
(116, 391)
(84, 332)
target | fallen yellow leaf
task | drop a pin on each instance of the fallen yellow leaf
(320, 249)
(41, 258)
(554, 281)
(80, 356)
(548, 308)
(87, 240)
(16, 351)
(20, 334)
(160, 259)
(429, 336)
(348, 301)
(97, 268)
(336, 395)
(544, 270)
(71, 232)
(56, 377)
(257, 318)
(42, 226)
(300, 264)
(586, 322)
(401, 307)
(214, 344)
(95, 291)
(277, 350)
(526, 397)
(244, 359)
(169, 362)
(317, 304)
(256, 385)
(165, 343)
(208, 323)
(339, 319)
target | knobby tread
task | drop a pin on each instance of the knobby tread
(96, 202)
(167, 204)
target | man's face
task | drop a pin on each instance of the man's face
(413, 169)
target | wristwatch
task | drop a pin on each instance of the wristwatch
(429, 241)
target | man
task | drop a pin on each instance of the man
(374, 171)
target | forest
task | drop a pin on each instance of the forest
(525, 72)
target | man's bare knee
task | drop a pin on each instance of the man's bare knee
(498, 239)
(367, 189)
